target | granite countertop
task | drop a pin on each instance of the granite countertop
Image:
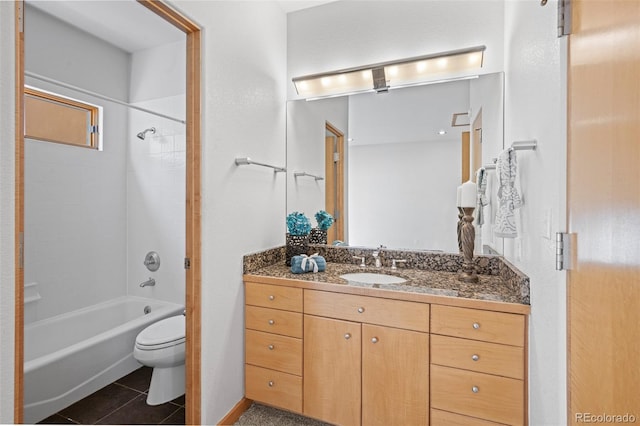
(428, 274)
(438, 283)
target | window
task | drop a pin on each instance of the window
(54, 118)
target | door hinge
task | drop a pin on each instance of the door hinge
(564, 17)
(564, 251)
(21, 250)
(336, 157)
(187, 263)
(94, 129)
(20, 12)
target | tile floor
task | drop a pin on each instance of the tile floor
(122, 403)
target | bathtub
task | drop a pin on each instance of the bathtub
(70, 356)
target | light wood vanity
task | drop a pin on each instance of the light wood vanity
(364, 356)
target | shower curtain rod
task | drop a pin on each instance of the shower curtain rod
(98, 95)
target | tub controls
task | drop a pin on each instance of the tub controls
(152, 261)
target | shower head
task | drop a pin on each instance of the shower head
(143, 134)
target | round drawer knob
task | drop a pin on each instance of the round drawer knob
(361, 309)
(475, 389)
(347, 336)
(475, 357)
(476, 325)
(374, 340)
(271, 347)
(271, 297)
(270, 384)
(271, 322)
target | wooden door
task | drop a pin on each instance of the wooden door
(603, 203)
(334, 181)
(476, 148)
(395, 376)
(331, 390)
(465, 166)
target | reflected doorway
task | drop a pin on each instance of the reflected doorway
(334, 186)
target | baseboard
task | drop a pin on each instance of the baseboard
(235, 413)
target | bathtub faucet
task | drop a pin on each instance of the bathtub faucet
(150, 282)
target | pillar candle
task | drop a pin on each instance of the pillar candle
(469, 195)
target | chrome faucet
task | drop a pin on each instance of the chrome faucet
(150, 282)
(376, 257)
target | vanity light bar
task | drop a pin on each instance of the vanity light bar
(383, 76)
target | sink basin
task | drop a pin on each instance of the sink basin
(372, 278)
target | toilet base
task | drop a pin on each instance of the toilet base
(166, 384)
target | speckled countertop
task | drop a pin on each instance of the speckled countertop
(429, 273)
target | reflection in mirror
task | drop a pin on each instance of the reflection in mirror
(405, 158)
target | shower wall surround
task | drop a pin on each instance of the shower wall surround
(91, 216)
(156, 169)
(75, 199)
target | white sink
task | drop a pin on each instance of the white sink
(372, 278)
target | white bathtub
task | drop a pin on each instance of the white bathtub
(72, 355)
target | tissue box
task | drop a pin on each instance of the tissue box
(303, 263)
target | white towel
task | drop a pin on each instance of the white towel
(508, 197)
(483, 200)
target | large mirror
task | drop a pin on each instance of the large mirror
(387, 165)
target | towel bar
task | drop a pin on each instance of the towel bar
(246, 160)
(297, 174)
(525, 145)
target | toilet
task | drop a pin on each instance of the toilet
(162, 346)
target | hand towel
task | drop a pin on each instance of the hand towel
(483, 200)
(508, 197)
(303, 263)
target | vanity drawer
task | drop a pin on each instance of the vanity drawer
(274, 296)
(485, 396)
(496, 327)
(274, 388)
(371, 310)
(491, 358)
(273, 351)
(445, 418)
(273, 321)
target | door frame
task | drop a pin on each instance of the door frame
(192, 205)
(334, 182)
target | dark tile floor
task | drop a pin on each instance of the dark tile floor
(122, 403)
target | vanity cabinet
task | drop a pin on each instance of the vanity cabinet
(273, 345)
(352, 357)
(366, 360)
(477, 366)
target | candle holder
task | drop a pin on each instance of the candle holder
(468, 236)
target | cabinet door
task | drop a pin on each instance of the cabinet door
(395, 376)
(332, 376)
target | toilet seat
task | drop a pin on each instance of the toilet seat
(162, 334)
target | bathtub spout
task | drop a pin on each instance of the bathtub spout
(150, 282)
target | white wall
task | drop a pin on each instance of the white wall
(7, 205)
(535, 107)
(383, 177)
(243, 207)
(156, 170)
(402, 171)
(347, 34)
(487, 100)
(306, 131)
(75, 198)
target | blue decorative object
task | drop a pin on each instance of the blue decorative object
(303, 263)
(324, 219)
(298, 224)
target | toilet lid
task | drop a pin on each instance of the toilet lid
(166, 332)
